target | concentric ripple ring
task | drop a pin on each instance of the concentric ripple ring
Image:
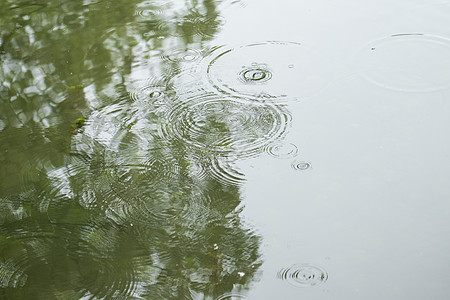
(223, 125)
(267, 70)
(410, 62)
(303, 275)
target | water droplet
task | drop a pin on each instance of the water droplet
(303, 275)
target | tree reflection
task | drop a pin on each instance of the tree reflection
(94, 202)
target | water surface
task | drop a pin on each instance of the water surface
(224, 150)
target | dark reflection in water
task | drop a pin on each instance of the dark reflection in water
(108, 188)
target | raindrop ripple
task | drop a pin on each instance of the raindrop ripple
(303, 275)
(264, 71)
(408, 62)
(301, 165)
(211, 123)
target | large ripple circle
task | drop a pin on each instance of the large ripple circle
(226, 126)
(407, 62)
(274, 70)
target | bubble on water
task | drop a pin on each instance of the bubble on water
(282, 150)
(211, 123)
(303, 275)
(301, 165)
(251, 70)
(410, 62)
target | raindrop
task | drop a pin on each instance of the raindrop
(410, 62)
(303, 275)
(301, 165)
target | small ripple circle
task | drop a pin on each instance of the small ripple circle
(178, 55)
(301, 165)
(282, 150)
(303, 275)
(255, 75)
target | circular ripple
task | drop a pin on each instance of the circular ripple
(301, 165)
(282, 150)
(201, 26)
(231, 296)
(207, 27)
(225, 172)
(255, 74)
(131, 181)
(303, 275)
(156, 95)
(267, 70)
(182, 55)
(149, 13)
(224, 126)
(37, 248)
(407, 62)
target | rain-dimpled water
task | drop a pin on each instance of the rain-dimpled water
(224, 149)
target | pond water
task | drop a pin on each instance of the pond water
(233, 149)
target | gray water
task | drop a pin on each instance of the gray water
(224, 149)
